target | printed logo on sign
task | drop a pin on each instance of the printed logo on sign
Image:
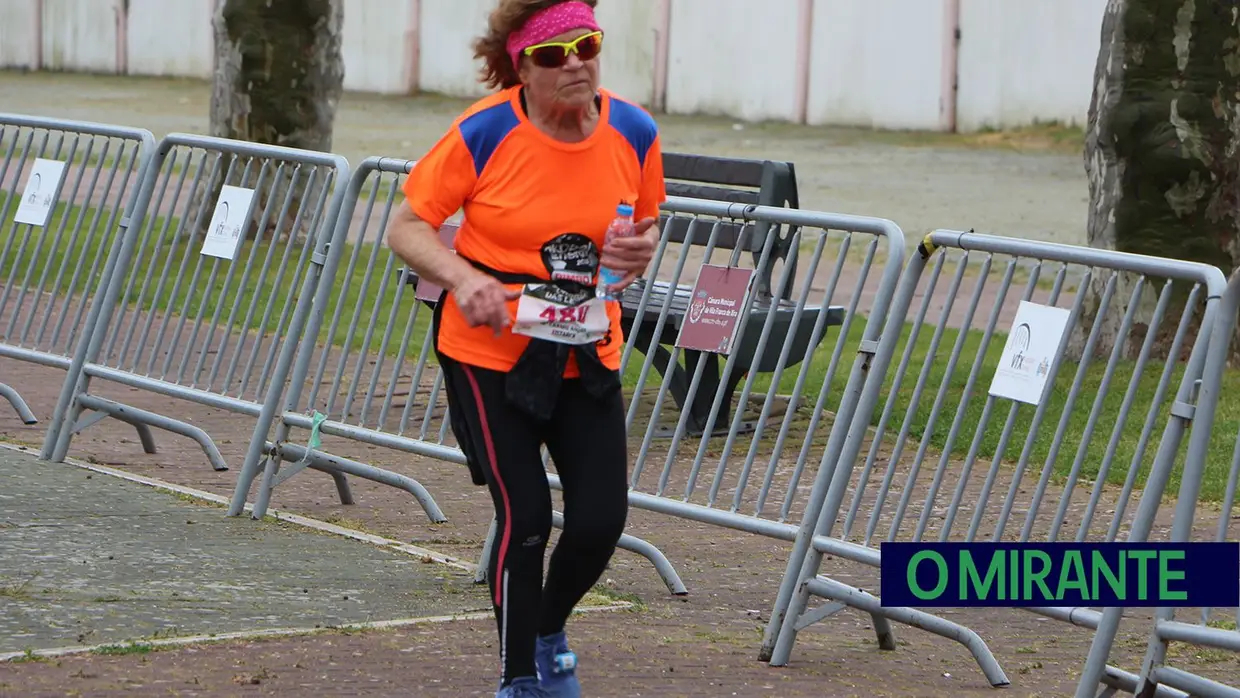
(222, 215)
(1025, 365)
(698, 307)
(1020, 342)
(36, 181)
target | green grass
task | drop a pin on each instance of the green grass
(271, 294)
(349, 290)
(1223, 440)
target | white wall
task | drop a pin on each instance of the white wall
(17, 40)
(872, 63)
(1026, 60)
(733, 57)
(627, 64)
(448, 29)
(171, 38)
(80, 35)
(375, 45)
(878, 63)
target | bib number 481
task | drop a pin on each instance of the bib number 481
(565, 314)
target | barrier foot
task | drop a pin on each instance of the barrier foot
(647, 550)
(143, 420)
(484, 559)
(855, 598)
(343, 490)
(886, 636)
(148, 441)
(335, 465)
(19, 405)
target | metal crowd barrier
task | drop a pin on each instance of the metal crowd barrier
(210, 296)
(366, 293)
(85, 178)
(712, 459)
(1209, 633)
(878, 494)
(369, 373)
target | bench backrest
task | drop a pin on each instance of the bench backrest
(741, 181)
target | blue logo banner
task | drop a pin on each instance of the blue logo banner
(953, 575)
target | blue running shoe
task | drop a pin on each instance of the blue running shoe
(524, 687)
(557, 667)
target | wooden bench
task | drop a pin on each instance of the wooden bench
(752, 183)
(748, 182)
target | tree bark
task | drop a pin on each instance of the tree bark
(278, 80)
(1161, 149)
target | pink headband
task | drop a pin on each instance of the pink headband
(549, 22)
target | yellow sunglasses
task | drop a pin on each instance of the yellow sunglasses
(554, 54)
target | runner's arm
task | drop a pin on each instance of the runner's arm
(438, 186)
(417, 244)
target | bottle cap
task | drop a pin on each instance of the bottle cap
(625, 209)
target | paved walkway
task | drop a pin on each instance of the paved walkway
(88, 559)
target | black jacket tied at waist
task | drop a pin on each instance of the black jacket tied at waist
(533, 383)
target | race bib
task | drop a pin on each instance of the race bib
(547, 311)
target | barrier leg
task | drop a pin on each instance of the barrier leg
(855, 598)
(661, 564)
(245, 482)
(337, 467)
(786, 636)
(271, 466)
(141, 419)
(19, 405)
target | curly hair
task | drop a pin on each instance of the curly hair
(492, 47)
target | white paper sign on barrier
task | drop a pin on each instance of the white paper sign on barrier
(42, 189)
(228, 223)
(1031, 348)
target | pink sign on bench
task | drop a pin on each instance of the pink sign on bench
(427, 291)
(715, 307)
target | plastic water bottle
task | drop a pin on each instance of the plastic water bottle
(621, 227)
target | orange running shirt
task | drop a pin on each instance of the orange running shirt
(519, 189)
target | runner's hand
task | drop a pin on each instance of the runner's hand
(632, 254)
(484, 301)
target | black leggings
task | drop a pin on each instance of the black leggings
(586, 440)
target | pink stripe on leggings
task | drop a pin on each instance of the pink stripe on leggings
(503, 491)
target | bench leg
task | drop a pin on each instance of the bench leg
(699, 409)
(699, 404)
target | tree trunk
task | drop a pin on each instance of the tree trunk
(1161, 149)
(278, 80)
